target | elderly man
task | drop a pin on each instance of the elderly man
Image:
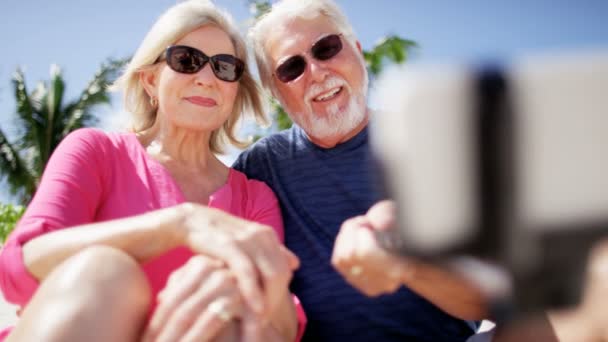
(310, 60)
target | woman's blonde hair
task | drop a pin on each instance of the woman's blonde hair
(175, 23)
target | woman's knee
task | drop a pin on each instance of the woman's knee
(100, 290)
(106, 273)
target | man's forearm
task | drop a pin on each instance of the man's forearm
(447, 290)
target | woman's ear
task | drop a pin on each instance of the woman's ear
(148, 78)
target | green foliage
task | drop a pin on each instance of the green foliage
(258, 8)
(392, 48)
(43, 120)
(282, 119)
(9, 215)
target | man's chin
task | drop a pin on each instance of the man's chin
(332, 125)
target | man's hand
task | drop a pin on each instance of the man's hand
(375, 271)
(360, 259)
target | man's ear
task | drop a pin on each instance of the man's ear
(148, 78)
(359, 47)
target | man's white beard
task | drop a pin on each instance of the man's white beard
(336, 122)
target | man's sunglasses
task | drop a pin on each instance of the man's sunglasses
(324, 49)
(188, 60)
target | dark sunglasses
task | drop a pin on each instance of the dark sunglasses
(324, 49)
(188, 60)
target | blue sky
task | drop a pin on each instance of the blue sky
(78, 35)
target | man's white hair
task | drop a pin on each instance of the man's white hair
(287, 10)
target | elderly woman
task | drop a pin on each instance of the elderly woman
(156, 210)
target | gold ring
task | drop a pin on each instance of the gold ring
(356, 270)
(219, 309)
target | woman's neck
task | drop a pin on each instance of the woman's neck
(187, 157)
(173, 146)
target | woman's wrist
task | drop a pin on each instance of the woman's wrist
(173, 224)
(166, 230)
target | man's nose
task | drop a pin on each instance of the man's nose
(318, 70)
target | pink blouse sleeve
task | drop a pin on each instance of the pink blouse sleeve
(265, 209)
(68, 195)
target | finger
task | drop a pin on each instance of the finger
(230, 333)
(382, 215)
(292, 260)
(343, 256)
(356, 253)
(225, 248)
(377, 260)
(265, 250)
(251, 327)
(376, 276)
(248, 278)
(170, 299)
(211, 322)
(268, 255)
(220, 284)
(193, 264)
(182, 283)
(171, 280)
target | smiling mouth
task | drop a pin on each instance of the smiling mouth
(328, 95)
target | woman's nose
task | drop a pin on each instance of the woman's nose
(205, 76)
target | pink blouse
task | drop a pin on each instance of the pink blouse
(95, 176)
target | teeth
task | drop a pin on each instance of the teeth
(327, 95)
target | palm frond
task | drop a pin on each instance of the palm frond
(51, 111)
(80, 112)
(43, 121)
(20, 178)
(26, 106)
(34, 142)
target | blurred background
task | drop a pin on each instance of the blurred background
(73, 38)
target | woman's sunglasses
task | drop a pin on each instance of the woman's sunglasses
(188, 60)
(324, 49)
